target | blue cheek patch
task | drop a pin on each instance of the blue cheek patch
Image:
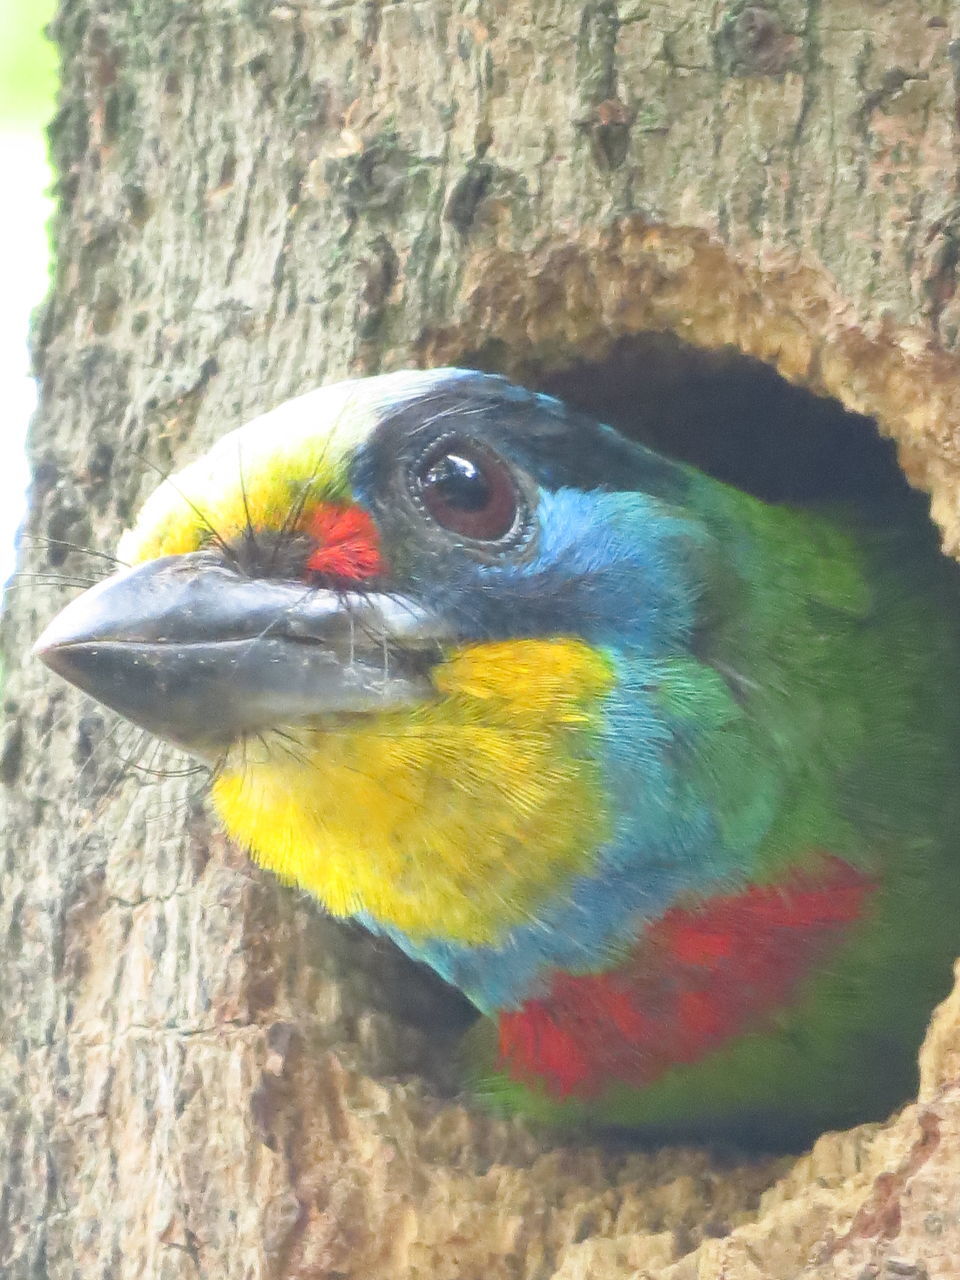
(666, 844)
(620, 571)
(610, 568)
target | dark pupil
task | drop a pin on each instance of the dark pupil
(469, 491)
(458, 483)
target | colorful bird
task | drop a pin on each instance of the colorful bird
(661, 776)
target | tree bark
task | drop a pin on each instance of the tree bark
(201, 1076)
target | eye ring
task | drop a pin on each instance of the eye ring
(465, 488)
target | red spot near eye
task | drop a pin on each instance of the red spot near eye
(347, 542)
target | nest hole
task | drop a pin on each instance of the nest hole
(733, 417)
(736, 419)
(729, 414)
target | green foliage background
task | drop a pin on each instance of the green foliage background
(28, 63)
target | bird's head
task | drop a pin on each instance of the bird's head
(389, 611)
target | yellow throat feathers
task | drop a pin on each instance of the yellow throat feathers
(450, 819)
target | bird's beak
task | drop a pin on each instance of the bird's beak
(200, 655)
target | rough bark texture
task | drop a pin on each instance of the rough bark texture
(202, 1077)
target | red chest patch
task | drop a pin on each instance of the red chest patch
(696, 978)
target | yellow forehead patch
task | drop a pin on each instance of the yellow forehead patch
(295, 455)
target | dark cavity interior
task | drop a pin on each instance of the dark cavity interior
(740, 421)
(730, 415)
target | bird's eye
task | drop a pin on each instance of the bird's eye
(468, 490)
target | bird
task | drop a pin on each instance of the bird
(660, 775)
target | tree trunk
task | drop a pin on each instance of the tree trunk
(201, 1075)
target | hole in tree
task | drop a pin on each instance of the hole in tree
(732, 416)
(736, 419)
